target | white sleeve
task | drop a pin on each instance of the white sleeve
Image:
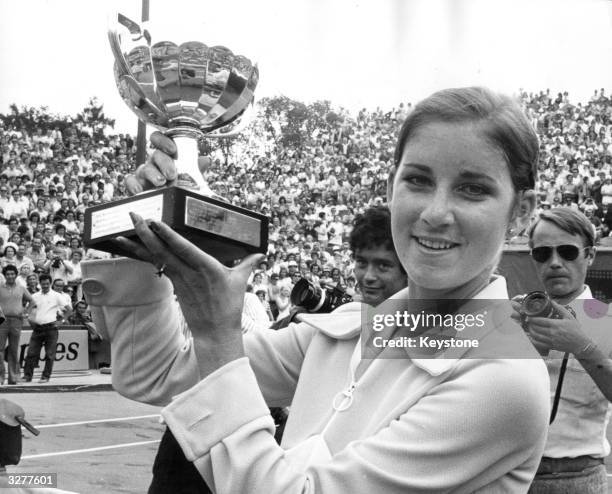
(485, 425)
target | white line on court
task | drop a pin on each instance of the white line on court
(118, 419)
(88, 450)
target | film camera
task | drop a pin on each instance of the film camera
(318, 299)
(308, 297)
(539, 304)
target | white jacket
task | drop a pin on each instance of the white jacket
(456, 425)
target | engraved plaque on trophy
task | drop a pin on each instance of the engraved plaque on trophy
(188, 91)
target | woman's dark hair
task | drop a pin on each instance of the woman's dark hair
(503, 123)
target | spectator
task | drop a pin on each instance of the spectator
(75, 277)
(57, 265)
(10, 256)
(562, 244)
(32, 283)
(13, 299)
(22, 258)
(17, 206)
(24, 272)
(49, 307)
(37, 253)
(283, 302)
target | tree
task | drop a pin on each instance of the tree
(30, 118)
(289, 116)
(93, 117)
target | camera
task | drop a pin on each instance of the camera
(57, 262)
(538, 304)
(318, 299)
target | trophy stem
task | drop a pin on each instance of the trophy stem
(188, 172)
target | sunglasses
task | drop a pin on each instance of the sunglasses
(567, 252)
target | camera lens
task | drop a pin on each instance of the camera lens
(306, 294)
(537, 304)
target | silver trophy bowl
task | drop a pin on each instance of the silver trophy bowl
(187, 91)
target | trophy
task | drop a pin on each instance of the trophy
(189, 91)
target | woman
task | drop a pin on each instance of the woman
(42, 209)
(72, 227)
(10, 255)
(463, 176)
(80, 218)
(74, 244)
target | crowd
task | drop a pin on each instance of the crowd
(311, 191)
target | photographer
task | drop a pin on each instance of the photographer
(378, 271)
(562, 248)
(56, 265)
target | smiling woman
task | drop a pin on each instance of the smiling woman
(462, 421)
(463, 177)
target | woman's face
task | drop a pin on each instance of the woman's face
(451, 201)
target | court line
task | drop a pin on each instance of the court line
(89, 450)
(99, 421)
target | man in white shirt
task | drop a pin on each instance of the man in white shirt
(17, 206)
(49, 304)
(562, 243)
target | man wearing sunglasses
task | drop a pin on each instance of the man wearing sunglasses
(562, 249)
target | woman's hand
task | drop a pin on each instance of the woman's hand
(210, 295)
(159, 170)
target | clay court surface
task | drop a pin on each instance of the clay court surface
(97, 442)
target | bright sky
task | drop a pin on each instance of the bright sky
(356, 53)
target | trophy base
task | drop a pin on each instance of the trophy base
(227, 232)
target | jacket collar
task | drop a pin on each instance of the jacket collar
(345, 322)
